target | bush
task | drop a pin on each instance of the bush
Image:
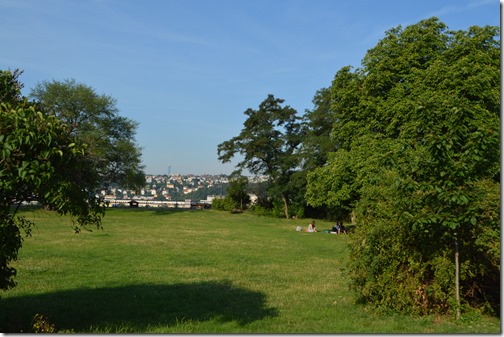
(41, 324)
(260, 210)
(394, 266)
(223, 204)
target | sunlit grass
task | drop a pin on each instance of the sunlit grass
(194, 272)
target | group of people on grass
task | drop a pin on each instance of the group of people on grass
(338, 228)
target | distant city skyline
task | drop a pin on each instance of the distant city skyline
(186, 70)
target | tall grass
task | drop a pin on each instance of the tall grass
(163, 271)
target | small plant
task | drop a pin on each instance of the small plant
(41, 324)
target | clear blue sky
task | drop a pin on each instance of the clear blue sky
(186, 70)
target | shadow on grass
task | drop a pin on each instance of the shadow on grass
(136, 307)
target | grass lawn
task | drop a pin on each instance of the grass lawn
(160, 271)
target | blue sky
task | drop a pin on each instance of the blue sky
(186, 70)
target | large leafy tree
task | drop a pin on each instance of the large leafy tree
(418, 130)
(39, 160)
(95, 120)
(268, 143)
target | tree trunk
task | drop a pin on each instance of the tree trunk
(457, 276)
(286, 206)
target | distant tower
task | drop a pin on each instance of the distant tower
(169, 170)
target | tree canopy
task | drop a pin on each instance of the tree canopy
(41, 160)
(317, 126)
(268, 142)
(418, 130)
(95, 120)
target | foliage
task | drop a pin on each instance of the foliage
(317, 146)
(40, 161)
(41, 324)
(236, 198)
(223, 204)
(317, 125)
(94, 119)
(261, 210)
(237, 191)
(10, 87)
(268, 142)
(260, 190)
(418, 160)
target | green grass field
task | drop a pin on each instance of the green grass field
(159, 271)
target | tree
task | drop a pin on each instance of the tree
(39, 160)
(95, 120)
(334, 183)
(263, 200)
(317, 125)
(418, 160)
(316, 146)
(238, 192)
(268, 142)
(10, 87)
(236, 197)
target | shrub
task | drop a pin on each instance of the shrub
(41, 324)
(223, 204)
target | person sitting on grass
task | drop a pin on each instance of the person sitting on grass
(341, 229)
(311, 227)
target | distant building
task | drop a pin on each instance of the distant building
(253, 198)
(212, 197)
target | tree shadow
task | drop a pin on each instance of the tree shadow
(135, 306)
